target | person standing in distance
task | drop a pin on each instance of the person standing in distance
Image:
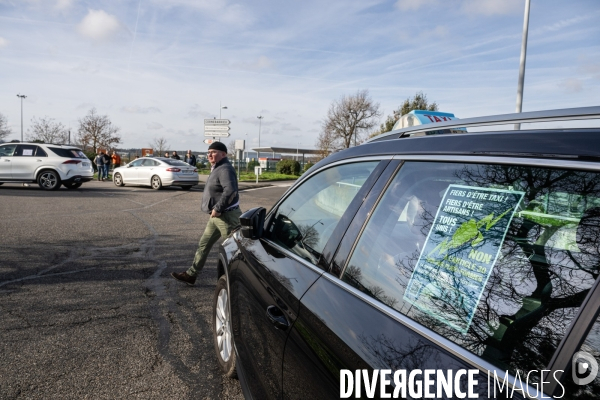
(222, 201)
(190, 158)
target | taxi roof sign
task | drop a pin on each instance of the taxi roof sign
(422, 117)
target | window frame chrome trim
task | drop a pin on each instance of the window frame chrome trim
(436, 338)
(294, 256)
(504, 160)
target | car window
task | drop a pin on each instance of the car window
(7, 150)
(26, 150)
(149, 162)
(495, 258)
(305, 220)
(136, 163)
(68, 153)
(40, 152)
(172, 161)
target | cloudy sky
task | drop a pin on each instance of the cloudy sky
(158, 68)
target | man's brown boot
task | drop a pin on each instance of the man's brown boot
(184, 277)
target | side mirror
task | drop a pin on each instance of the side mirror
(253, 222)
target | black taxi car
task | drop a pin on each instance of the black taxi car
(423, 252)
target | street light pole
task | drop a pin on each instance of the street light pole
(260, 117)
(221, 108)
(522, 62)
(22, 96)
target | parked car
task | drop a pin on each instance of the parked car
(156, 172)
(50, 165)
(415, 252)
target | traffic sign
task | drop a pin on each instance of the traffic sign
(215, 121)
(216, 127)
(210, 141)
(216, 133)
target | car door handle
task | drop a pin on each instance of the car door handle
(277, 318)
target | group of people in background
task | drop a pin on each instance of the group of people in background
(188, 157)
(104, 161)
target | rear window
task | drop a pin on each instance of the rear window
(68, 153)
(495, 258)
(172, 161)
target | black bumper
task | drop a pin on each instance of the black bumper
(77, 179)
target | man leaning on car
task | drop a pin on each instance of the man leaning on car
(221, 200)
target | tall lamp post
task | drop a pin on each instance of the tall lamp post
(260, 117)
(221, 108)
(522, 62)
(22, 96)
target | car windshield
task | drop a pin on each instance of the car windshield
(68, 153)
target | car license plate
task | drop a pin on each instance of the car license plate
(85, 164)
(186, 172)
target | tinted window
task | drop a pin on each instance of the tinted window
(7, 150)
(172, 161)
(305, 220)
(40, 152)
(69, 153)
(495, 258)
(26, 150)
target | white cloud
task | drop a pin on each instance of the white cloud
(63, 4)
(3, 42)
(413, 5)
(154, 126)
(572, 85)
(261, 63)
(140, 110)
(195, 112)
(98, 25)
(492, 7)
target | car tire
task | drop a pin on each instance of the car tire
(186, 187)
(155, 182)
(118, 179)
(222, 332)
(49, 180)
(72, 185)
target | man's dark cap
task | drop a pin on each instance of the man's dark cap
(218, 146)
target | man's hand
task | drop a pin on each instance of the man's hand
(214, 213)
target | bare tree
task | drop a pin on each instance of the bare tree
(419, 102)
(47, 131)
(4, 129)
(231, 149)
(347, 119)
(97, 131)
(159, 145)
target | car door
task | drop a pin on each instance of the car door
(26, 160)
(146, 170)
(130, 173)
(6, 158)
(271, 274)
(405, 291)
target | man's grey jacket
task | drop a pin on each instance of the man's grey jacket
(221, 189)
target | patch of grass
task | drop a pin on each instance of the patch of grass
(265, 177)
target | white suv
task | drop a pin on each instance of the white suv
(47, 164)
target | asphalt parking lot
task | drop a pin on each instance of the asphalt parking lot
(87, 307)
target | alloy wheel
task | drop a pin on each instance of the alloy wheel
(48, 180)
(223, 326)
